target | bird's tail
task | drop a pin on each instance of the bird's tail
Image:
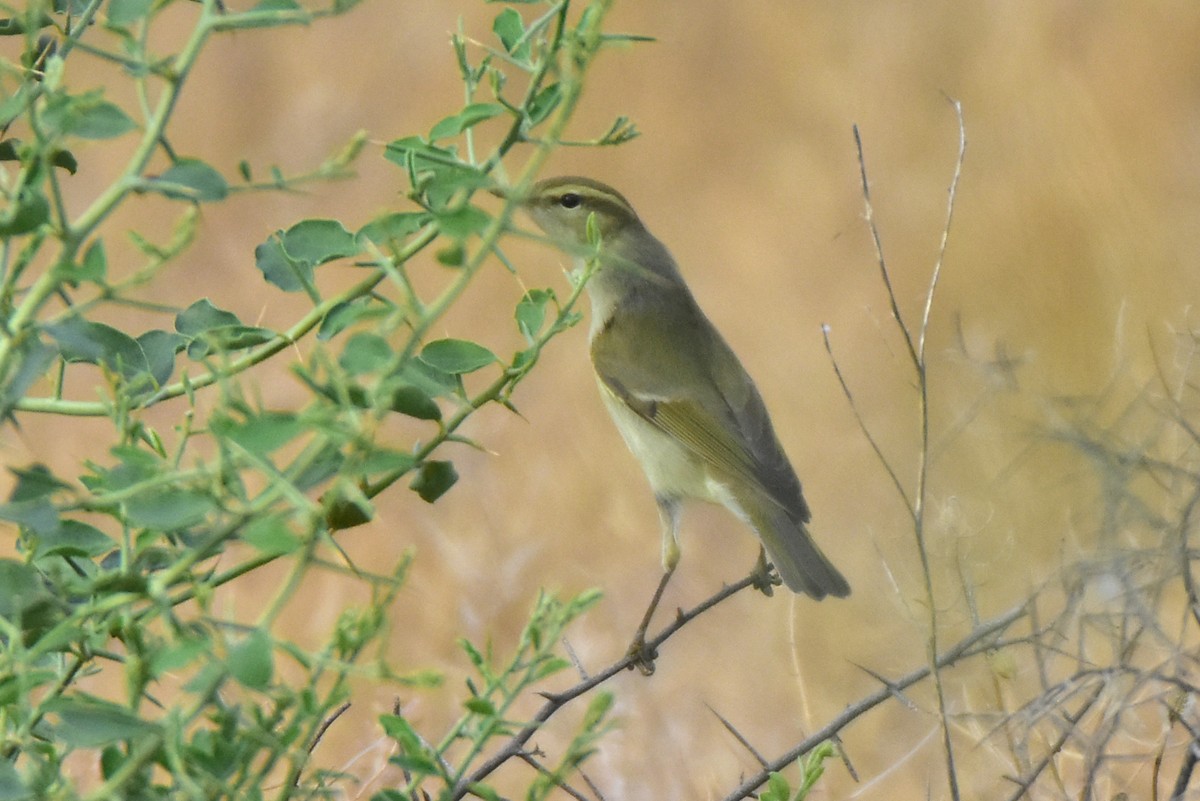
(798, 559)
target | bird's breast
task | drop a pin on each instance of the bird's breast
(672, 470)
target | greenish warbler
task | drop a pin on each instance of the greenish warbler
(680, 397)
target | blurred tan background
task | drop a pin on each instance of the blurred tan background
(1072, 251)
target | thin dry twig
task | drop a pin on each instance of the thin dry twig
(964, 648)
(515, 745)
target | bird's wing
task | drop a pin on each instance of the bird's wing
(701, 396)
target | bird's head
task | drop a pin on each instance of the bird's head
(561, 207)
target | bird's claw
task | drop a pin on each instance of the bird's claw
(641, 654)
(766, 578)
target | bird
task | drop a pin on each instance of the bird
(676, 391)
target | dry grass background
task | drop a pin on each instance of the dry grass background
(1073, 250)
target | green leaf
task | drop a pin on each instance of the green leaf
(531, 312)
(433, 480)
(271, 535)
(251, 661)
(261, 434)
(394, 228)
(32, 358)
(168, 509)
(469, 117)
(93, 723)
(456, 356)
(290, 275)
(510, 29)
(203, 316)
(315, 242)
(12, 787)
(38, 515)
(16, 26)
(74, 538)
(480, 706)
(462, 222)
(778, 789)
(343, 315)
(267, 14)
(190, 179)
(384, 460)
(544, 103)
(414, 402)
(434, 382)
(159, 348)
(88, 116)
(122, 13)
(20, 587)
(209, 328)
(366, 353)
(318, 469)
(80, 340)
(34, 482)
(30, 211)
(94, 266)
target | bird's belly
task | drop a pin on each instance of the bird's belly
(672, 470)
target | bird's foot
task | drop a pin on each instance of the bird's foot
(641, 654)
(766, 577)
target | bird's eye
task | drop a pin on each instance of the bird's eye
(570, 200)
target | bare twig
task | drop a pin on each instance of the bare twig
(962, 649)
(916, 353)
(515, 745)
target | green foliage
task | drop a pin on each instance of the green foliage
(811, 766)
(117, 564)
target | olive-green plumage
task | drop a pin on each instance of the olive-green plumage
(680, 397)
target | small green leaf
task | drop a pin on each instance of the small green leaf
(94, 266)
(318, 469)
(251, 662)
(462, 222)
(203, 316)
(12, 787)
(122, 13)
(456, 356)
(366, 353)
(271, 535)
(261, 434)
(433, 480)
(480, 706)
(531, 312)
(38, 515)
(168, 509)
(88, 116)
(74, 538)
(343, 315)
(544, 103)
(415, 402)
(34, 482)
(469, 117)
(510, 29)
(80, 340)
(318, 241)
(778, 789)
(384, 460)
(280, 269)
(209, 328)
(190, 179)
(432, 381)
(159, 348)
(394, 228)
(30, 211)
(92, 723)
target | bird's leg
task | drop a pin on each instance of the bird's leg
(766, 578)
(668, 509)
